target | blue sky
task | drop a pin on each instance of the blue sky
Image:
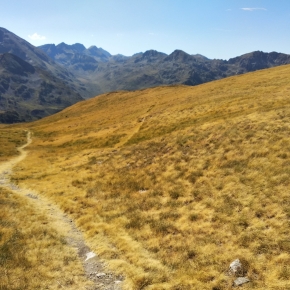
(214, 28)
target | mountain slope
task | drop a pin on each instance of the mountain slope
(152, 68)
(104, 72)
(171, 184)
(28, 93)
(11, 43)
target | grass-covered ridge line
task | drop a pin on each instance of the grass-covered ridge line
(195, 177)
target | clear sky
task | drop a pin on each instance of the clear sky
(214, 28)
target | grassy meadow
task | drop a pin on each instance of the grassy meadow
(32, 254)
(10, 139)
(171, 184)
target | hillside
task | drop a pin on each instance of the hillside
(153, 68)
(171, 184)
(13, 44)
(32, 85)
(29, 93)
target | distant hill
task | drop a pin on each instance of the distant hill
(104, 72)
(28, 93)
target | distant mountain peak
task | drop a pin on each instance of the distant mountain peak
(200, 56)
(98, 52)
(79, 47)
(66, 54)
(11, 43)
(93, 48)
(149, 56)
(178, 55)
(152, 52)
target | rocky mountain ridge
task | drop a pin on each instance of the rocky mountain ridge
(74, 72)
(105, 73)
(32, 85)
(29, 93)
(11, 43)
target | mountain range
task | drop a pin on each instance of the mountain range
(152, 68)
(38, 81)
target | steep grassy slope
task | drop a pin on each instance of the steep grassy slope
(171, 184)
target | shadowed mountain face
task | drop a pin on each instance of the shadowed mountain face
(104, 72)
(62, 52)
(11, 43)
(32, 85)
(28, 93)
(259, 60)
(76, 56)
(153, 68)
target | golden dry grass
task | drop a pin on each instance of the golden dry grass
(171, 184)
(32, 254)
(10, 139)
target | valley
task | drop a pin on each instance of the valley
(170, 184)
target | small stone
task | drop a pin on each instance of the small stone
(101, 275)
(90, 255)
(236, 267)
(118, 282)
(241, 280)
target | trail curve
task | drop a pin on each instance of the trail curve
(93, 267)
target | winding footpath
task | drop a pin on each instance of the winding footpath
(94, 269)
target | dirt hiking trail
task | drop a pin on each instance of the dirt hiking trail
(94, 269)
